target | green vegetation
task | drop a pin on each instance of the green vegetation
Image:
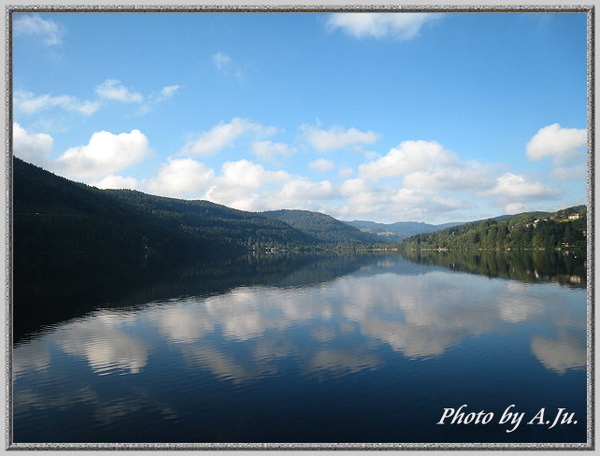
(216, 225)
(536, 266)
(323, 227)
(562, 230)
(55, 215)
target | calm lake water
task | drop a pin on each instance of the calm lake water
(343, 349)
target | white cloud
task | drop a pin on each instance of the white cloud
(222, 62)
(245, 174)
(226, 65)
(106, 153)
(562, 144)
(345, 171)
(338, 138)
(431, 183)
(32, 356)
(31, 147)
(364, 204)
(50, 125)
(304, 190)
(561, 354)
(33, 24)
(117, 182)
(223, 135)
(107, 348)
(363, 199)
(516, 208)
(112, 89)
(424, 202)
(181, 178)
(399, 26)
(268, 150)
(167, 92)
(461, 176)
(408, 157)
(185, 322)
(152, 100)
(565, 173)
(512, 185)
(249, 186)
(29, 103)
(406, 197)
(245, 185)
(321, 165)
(353, 187)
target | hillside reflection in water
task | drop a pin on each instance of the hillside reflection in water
(380, 323)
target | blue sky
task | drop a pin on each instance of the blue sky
(385, 117)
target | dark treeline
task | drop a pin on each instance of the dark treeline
(55, 215)
(51, 288)
(52, 214)
(323, 227)
(536, 266)
(216, 226)
(565, 229)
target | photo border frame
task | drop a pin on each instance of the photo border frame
(344, 6)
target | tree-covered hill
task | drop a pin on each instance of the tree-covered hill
(215, 223)
(323, 227)
(52, 214)
(564, 229)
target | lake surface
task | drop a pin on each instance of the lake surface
(321, 349)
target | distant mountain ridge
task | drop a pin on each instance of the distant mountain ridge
(394, 232)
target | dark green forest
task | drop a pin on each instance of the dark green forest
(562, 230)
(53, 215)
(323, 227)
(535, 266)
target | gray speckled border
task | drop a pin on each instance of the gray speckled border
(290, 8)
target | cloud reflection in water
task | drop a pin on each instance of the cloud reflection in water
(330, 330)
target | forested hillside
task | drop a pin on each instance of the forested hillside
(322, 226)
(215, 223)
(52, 214)
(565, 229)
